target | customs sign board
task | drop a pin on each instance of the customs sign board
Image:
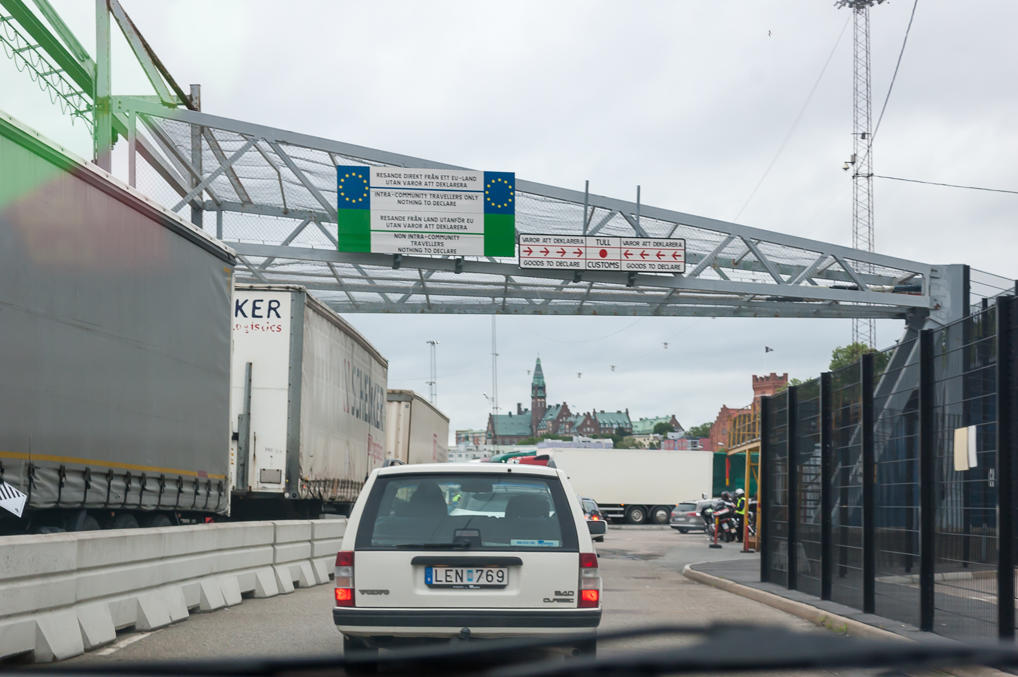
(426, 212)
(594, 252)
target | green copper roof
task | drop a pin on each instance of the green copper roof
(537, 385)
(614, 419)
(551, 412)
(512, 425)
(645, 426)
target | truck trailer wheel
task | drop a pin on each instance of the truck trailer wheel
(157, 519)
(660, 514)
(124, 520)
(636, 514)
(81, 521)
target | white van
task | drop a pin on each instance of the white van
(465, 550)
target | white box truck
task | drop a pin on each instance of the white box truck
(415, 430)
(307, 406)
(636, 485)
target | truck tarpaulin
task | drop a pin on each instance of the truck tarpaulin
(115, 343)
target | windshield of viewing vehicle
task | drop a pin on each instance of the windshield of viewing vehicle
(463, 511)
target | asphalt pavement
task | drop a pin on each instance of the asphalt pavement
(644, 585)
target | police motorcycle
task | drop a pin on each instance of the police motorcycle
(722, 514)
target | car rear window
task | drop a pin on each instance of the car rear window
(589, 505)
(687, 507)
(482, 511)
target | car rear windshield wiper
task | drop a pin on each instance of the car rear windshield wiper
(458, 545)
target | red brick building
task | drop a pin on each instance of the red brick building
(762, 386)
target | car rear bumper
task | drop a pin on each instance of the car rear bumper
(692, 525)
(450, 622)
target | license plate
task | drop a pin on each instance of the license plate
(466, 577)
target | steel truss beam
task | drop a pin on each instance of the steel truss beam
(734, 269)
(641, 280)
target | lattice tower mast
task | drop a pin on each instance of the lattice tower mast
(494, 370)
(861, 163)
(433, 372)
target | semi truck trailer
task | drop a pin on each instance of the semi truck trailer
(307, 403)
(636, 485)
(415, 430)
(114, 350)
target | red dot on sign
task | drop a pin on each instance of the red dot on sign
(603, 253)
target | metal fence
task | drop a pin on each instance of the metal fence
(888, 485)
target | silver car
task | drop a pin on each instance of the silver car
(686, 516)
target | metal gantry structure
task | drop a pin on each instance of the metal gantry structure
(272, 195)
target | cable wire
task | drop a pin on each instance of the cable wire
(795, 122)
(894, 76)
(947, 185)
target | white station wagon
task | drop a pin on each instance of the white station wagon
(462, 551)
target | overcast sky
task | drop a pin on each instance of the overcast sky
(690, 100)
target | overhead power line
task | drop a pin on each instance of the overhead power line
(894, 76)
(795, 122)
(946, 185)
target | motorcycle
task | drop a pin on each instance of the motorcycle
(722, 514)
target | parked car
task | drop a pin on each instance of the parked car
(596, 523)
(444, 551)
(688, 515)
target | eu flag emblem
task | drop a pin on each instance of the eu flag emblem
(352, 187)
(499, 193)
(353, 202)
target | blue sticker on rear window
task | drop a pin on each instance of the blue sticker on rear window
(533, 543)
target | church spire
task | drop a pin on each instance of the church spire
(538, 403)
(537, 385)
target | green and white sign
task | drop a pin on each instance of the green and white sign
(426, 212)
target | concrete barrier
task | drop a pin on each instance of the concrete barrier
(64, 594)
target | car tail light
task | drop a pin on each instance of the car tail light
(344, 578)
(594, 518)
(691, 514)
(590, 581)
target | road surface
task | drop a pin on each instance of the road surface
(644, 585)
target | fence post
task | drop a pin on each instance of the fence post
(826, 495)
(763, 487)
(926, 479)
(1005, 468)
(869, 475)
(791, 412)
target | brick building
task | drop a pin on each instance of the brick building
(762, 386)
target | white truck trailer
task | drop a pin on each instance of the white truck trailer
(307, 406)
(636, 485)
(415, 430)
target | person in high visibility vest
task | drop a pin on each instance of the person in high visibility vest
(740, 510)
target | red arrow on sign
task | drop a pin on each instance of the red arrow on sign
(579, 252)
(659, 255)
(675, 255)
(529, 251)
(545, 251)
(643, 255)
(561, 252)
(627, 254)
